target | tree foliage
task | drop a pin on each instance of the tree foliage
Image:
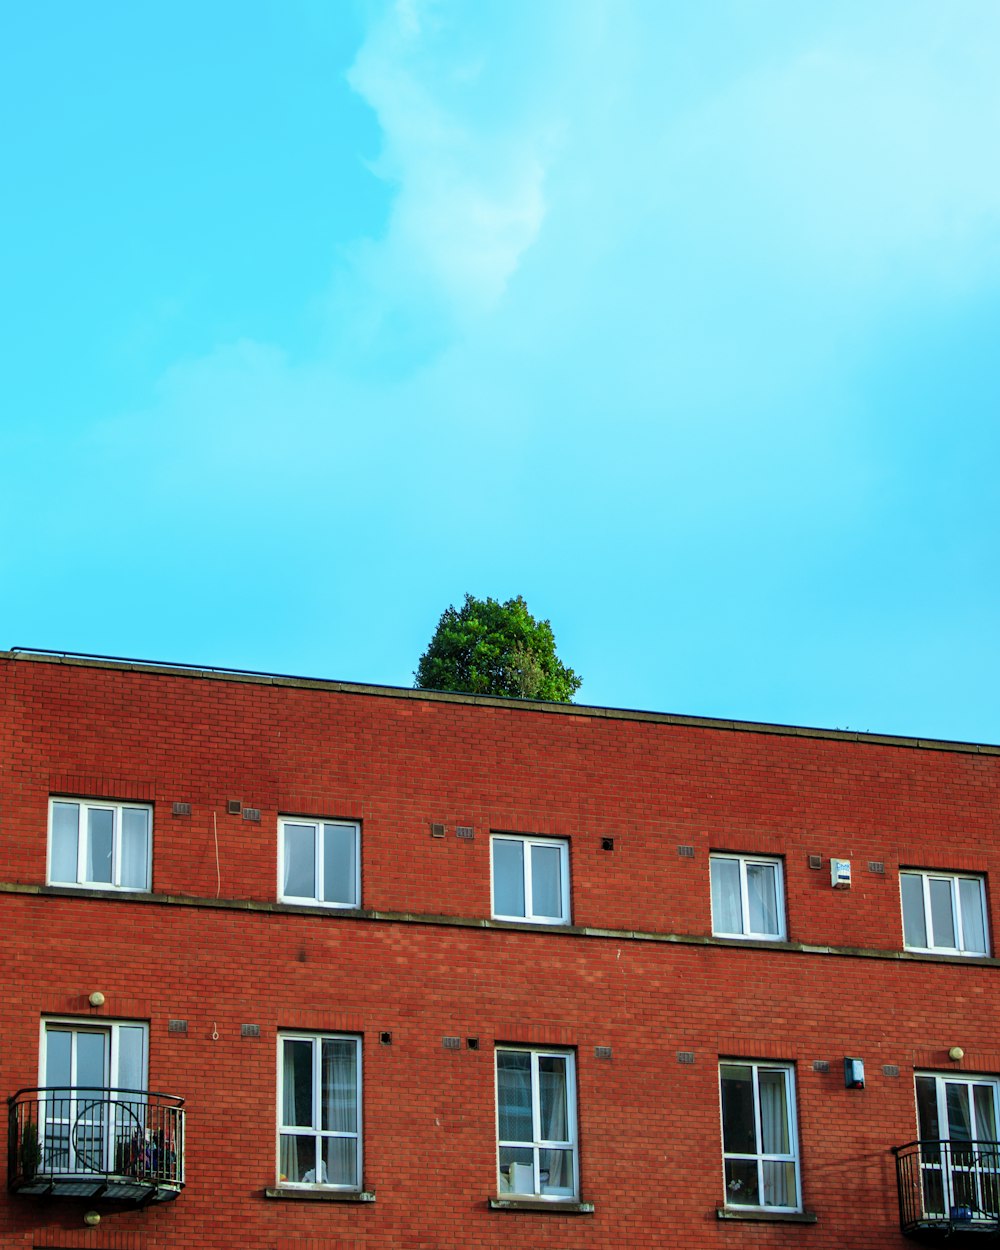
(488, 647)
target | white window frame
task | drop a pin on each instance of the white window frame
(760, 1156)
(317, 825)
(926, 875)
(315, 1132)
(745, 861)
(70, 1104)
(527, 841)
(116, 808)
(538, 1142)
(961, 1170)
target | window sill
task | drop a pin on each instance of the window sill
(97, 889)
(555, 1206)
(320, 1195)
(760, 1215)
(945, 951)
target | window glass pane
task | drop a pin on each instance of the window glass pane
(514, 1095)
(135, 848)
(552, 1098)
(340, 1085)
(959, 1111)
(91, 1060)
(546, 881)
(985, 1105)
(297, 1082)
(65, 831)
(741, 1182)
(340, 1162)
(779, 1184)
(970, 896)
(508, 877)
(773, 1111)
(927, 1111)
(726, 908)
(738, 1131)
(131, 1058)
(914, 927)
(57, 1058)
(100, 843)
(942, 912)
(339, 864)
(555, 1172)
(297, 1158)
(762, 896)
(300, 861)
(517, 1170)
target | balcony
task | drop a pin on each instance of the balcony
(948, 1189)
(121, 1144)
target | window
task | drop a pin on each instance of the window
(96, 843)
(747, 897)
(319, 1116)
(944, 912)
(530, 879)
(94, 1112)
(758, 1136)
(536, 1123)
(959, 1160)
(319, 862)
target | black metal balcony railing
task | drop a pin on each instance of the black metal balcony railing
(948, 1187)
(85, 1142)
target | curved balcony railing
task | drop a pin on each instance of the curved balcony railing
(89, 1142)
(948, 1187)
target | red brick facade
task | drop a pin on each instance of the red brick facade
(637, 970)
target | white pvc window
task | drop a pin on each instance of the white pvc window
(747, 897)
(319, 862)
(760, 1151)
(944, 912)
(100, 844)
(957, 1122)
(319, 1110)
(530, 879)
(536, 1124)
(92, 1109)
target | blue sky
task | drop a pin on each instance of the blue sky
(679, 320)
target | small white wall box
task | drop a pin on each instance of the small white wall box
(854, 1073)
(522, 1178)
(840, 874)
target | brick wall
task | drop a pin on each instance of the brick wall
(211, 947)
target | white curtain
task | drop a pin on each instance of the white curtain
(762, 898)
(778, 1175)
(726, 909)
(340, 1112)
(555, 1119)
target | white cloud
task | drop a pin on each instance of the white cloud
(469, 201)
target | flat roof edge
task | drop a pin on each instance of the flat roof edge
(251, 677)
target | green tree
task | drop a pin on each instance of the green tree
(488, 647)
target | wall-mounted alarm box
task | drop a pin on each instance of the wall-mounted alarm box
(854, 1073)
(840, 874)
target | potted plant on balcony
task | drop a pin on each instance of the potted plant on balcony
(29, 1154)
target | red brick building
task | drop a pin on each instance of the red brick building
(303, 965)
